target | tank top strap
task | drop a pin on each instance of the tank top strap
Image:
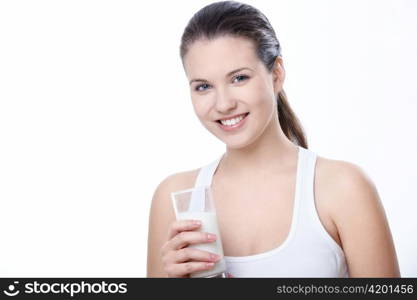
(205, 175)
(204, 178)
(306, 186)
(312, 225)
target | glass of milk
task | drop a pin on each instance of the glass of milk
(197, 204)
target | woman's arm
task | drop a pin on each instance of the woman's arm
(362, 224)
(160, 216)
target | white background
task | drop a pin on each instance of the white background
(95, 111)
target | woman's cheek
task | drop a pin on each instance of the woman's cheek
(259, 93)
(202, 108)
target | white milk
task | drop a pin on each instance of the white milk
(209, 224)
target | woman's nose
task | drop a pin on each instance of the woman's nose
(225, 102)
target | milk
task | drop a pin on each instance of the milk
(209, 224)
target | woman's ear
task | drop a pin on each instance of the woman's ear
(278, 74)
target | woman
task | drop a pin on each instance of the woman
(282, 210)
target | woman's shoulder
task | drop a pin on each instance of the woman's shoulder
(162, 212)
(357, 211)
(181, 180)
(341, 174)
(176, 182)
(345, 188)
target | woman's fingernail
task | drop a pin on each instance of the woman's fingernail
(214, 257)
(196, 222)
(211, 237)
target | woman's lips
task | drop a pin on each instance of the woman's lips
(235, 126)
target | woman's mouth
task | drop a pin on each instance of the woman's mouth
(233, 123)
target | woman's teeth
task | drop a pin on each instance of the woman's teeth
(232, 122)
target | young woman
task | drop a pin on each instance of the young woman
(283, 211)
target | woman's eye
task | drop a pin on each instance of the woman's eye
(197, 88)
(202, 87)
(242, 77)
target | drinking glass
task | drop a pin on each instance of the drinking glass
(197, 204)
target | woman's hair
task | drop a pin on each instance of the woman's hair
(231, 18)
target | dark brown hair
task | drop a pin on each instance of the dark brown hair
(231, 18)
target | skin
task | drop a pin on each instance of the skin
(254, 184)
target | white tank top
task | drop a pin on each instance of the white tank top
(308, 250)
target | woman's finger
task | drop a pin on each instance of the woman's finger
(184, 269)
(192, 254)
(182, 225)
(186, 238)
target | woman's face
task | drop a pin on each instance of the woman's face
(219, 92)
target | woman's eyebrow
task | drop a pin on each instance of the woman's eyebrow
(227, 75)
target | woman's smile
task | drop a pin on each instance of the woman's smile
(232, 124)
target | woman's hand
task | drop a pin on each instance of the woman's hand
(178, 259)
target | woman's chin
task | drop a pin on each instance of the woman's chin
(237, 144)
(235, 147)
(239, 141)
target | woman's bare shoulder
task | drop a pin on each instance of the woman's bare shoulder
(179, 181)
(171, 183)
(340, 177)
(344, 189)
(359, 215)
(340, 171)
(344, 183)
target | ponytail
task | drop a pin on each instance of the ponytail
(289, 122)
